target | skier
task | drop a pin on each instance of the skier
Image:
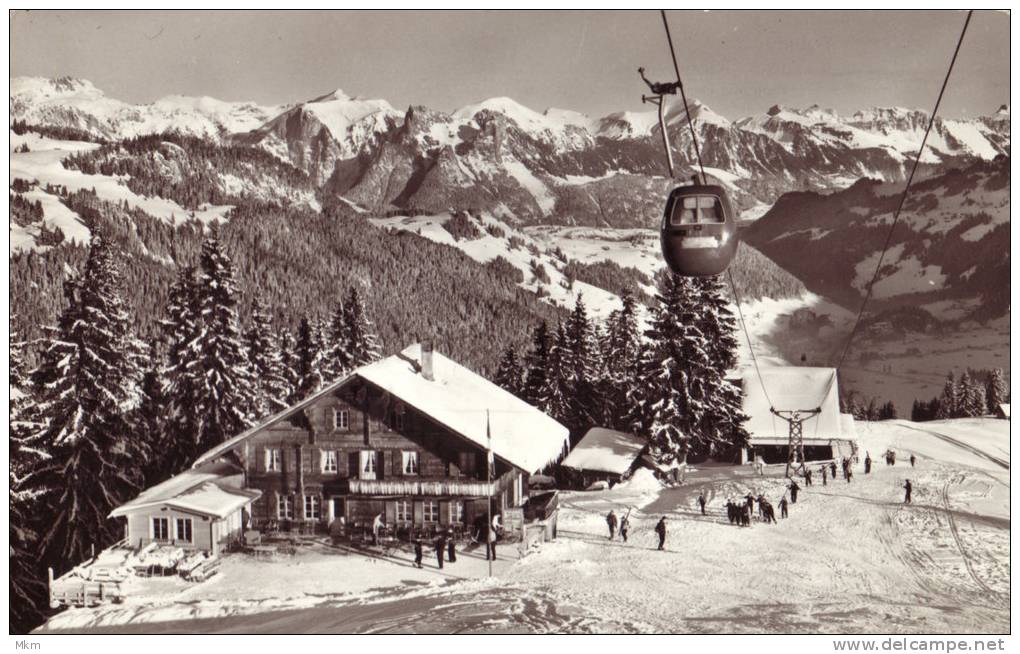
(794, 489)
(625, 526)
(490, 547)
(377, 526)
(807, 477)
(701, 502)
(909, 488)
(440, 546)
(417, 552)
(762, 504)
(451, 550)
(745, 516)
(749, 503)
(730, 514)
(913, 460)
(832, 470)
(611, 521)
(825, 476)
(783, 507)
(867, 464)
(660, 529)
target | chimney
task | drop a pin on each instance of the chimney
(426, 361)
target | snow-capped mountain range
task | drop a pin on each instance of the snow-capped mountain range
(554, 167)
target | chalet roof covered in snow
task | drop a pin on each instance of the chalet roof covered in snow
(848, 426)
(605, 450)
(198, 490)
(457, 398)
(792, 388)
(1004, 409)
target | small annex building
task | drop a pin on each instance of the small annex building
(201, 509)
(605, 455)
(828, 435)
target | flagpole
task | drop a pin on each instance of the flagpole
(488, 477)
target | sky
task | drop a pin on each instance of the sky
(738, 62)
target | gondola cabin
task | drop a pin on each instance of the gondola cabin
(699, 230)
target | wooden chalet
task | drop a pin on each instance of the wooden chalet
(406, 438)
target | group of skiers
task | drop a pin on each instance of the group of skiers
(623, 525)
(444, 544)
(739, 513)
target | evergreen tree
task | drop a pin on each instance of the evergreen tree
(85, 385)
(682, 400)
(337, 358)
(310, 357)
(226, 390)
(621, 356)
(360, 341)
(149, 421)
(509, 375)
(995, 390)
(182, 372)
(948, 404)
(717, 322)
(536, 364)
(580, 365)
(555, 395)
(266, 360)
(972, 397)
(290, 364)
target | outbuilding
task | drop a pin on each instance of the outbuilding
(605, 455)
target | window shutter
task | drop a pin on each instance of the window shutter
(444, 512)
(380, 464)
(322, 461)
(391, 513)
(419, 513)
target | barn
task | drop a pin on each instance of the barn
(604, 455)
(827, 435)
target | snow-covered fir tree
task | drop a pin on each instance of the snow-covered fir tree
(289, 362)
(271, 383)
(337, 359)
(995, 390)
(556, 393)
(949, 400)
(716, 321)
(622, 351)
(225, 396)
(580, 368)
(972, 397)
(509, 375)
(686, 402)
(310, 359)
(182, 372)
(536, 364)
(85, 386)
(149, 422)
(360, 340)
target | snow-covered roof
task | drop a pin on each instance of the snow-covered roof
(459, 399)
(198, 490)
(1005, 409)
(605, 450)
(848, 426)
(522, 435)
(792, 388)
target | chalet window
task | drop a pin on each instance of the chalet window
(341, 419)
(273, 460)
(456, 512)
(468, 463)
(405, 511)
(431, 511)
(285, 507)
(368, 463)
(160, 529)
(184, 530)
(410, 463)
(329, 461)
(312, 507)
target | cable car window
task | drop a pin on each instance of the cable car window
(710, 210)
(697, 209)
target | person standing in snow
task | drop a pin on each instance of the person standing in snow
(702, 502)
(749, 503)
(807, 476)
(490, 547)
(660, 529)
(451, 549)
(825, 476)
(783, 508)
(794, 489)
(913, 460)
(867, 463)
(762, 504)
(611, 521)
(440, 546)
(377, 526)
(832, 471)
(909, 488)
(745, 516)
(417, 552)
(625, 526)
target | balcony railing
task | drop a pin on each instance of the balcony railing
(409, 487)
